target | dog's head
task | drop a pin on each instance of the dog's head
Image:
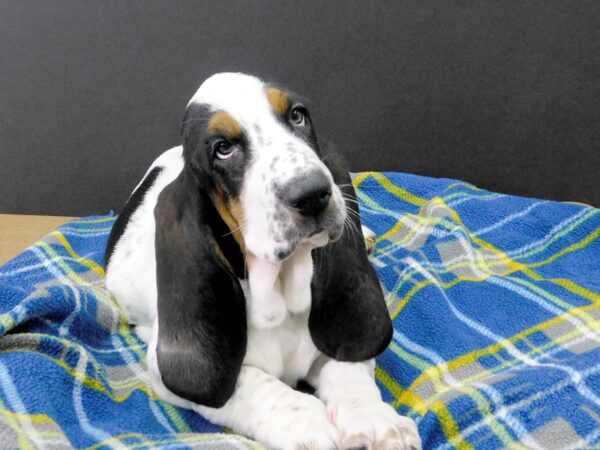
(254, 148)
(255, 183)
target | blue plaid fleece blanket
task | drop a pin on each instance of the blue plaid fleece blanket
(495, 301)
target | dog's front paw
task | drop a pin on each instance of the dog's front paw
(374, 426)
(307, 427)
(369, 238)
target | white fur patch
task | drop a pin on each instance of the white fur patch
(131, 272)
(296, 276)
(354, 405)
(266, 305)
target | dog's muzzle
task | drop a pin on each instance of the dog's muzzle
(309, 200)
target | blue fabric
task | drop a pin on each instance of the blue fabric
(495, 301)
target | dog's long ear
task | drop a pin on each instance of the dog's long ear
(348, 320)
(201, 309)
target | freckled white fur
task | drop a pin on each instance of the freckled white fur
(349, 410)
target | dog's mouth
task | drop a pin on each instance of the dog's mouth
(317, 231)
(319, 238)
(323, 237)
(318, 234)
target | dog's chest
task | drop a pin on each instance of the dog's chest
(286, 351)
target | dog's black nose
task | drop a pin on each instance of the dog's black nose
(308, 195)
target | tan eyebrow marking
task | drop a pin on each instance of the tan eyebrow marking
(279, 100)
(222, 123)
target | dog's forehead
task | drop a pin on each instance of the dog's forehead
(242, 96)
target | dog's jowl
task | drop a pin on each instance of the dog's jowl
(236, 259)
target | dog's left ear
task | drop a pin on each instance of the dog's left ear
(349, 320)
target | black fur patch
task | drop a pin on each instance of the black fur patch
(349, 320)
(212, 173)
(130, 207)
(305, 386)
(305, 132)
(201, 306)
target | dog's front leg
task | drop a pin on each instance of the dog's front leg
(354, 404)
(264, 408)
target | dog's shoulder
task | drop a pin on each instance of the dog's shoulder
(142, 200)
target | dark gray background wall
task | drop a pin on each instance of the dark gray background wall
(503, 94)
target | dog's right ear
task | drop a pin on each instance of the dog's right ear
(201, 308)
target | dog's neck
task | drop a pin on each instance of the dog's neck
(280, 288)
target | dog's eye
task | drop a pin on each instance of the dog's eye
(298, 116)
(224, 149)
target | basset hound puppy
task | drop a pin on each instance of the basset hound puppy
(240, 260)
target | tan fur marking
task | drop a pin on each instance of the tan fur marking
(231, 213)
(279, 100)
(219, 253)
(222, 123)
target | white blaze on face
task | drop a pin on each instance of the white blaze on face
(271, 232)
